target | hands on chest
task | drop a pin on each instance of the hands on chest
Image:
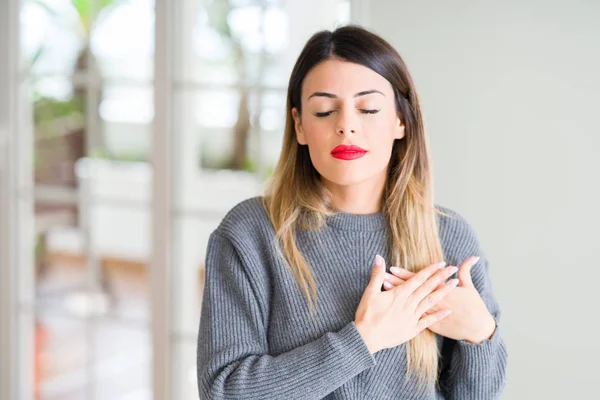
(412, 302)
(470, 319)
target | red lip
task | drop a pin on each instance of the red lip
(344, 152)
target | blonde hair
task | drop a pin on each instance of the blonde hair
(296, 199)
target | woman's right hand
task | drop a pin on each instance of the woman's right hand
(389, 318)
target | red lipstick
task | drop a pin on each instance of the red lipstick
(344, 152)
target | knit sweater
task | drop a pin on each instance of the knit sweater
(258, 340)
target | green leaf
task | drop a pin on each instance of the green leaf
(84, 10)
(217, 13)
(38, 53)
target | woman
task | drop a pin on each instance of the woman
(298, 302)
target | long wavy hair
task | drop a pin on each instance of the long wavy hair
(296, 199)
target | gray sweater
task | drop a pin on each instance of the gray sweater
(257, 339)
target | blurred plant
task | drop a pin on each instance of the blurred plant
(59, 125)
(87, 15)
(218, 14)
(54, 117)
(134, 156)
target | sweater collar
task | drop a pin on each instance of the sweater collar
(357, 222)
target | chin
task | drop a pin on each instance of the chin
(347, 177)
(348, 173)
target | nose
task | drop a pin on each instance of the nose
(345, 122)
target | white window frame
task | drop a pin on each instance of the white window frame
(160, 264)
(16, 215)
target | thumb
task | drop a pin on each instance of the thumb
(377, 275)
(464, 274)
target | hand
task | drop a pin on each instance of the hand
(470, 319)
(389, 318)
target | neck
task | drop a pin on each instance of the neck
(360, 198)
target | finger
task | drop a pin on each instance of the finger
(405, 275)
(464, 273)
(395, 281)
(430, 301)
(431, 319)
(401, 273)
(430, 285)
(420, 277)
(377, 276)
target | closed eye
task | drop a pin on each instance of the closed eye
(327, 113)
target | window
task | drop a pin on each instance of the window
(90, 69)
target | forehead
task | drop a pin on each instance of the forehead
(343, 79)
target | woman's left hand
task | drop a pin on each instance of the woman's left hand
(470, 319)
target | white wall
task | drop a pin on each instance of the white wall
(511, 93)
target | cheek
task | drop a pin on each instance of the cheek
(379, 136)
(316, 132)
(380, 132)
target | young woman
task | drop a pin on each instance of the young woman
(298, 301)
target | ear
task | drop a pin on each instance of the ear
(300, 136)
(399, 129)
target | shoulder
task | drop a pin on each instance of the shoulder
(246, 223)
(457, 235)
(239, 248)
(448, 219)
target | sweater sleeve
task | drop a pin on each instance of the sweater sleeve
(233, 359)
(476, 371)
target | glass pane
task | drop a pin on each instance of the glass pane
(63, 36)
(126, 113)
(204, 146)
(64, 268)
(184, 370)
(78, 359)
(117, 206)
(51, 43)
(219, 113)
(122, 362)
(59, 130)
(61, 358)
(122, 39)
(92, 214)
(93, 188)
(271, 122)
(190, 237)
(239, 42)
(60, 271)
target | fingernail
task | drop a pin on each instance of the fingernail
(441, 265)
(378, 260)
(454, 282)
(447, 312)
(387, 285)
(395, 269)
(476, 260)
(452, 270)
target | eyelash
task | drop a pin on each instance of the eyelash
(327, 113)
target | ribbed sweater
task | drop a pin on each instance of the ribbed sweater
(258, 340)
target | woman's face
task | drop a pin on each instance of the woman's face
(347, 104)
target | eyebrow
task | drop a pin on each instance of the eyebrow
(333, 96)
